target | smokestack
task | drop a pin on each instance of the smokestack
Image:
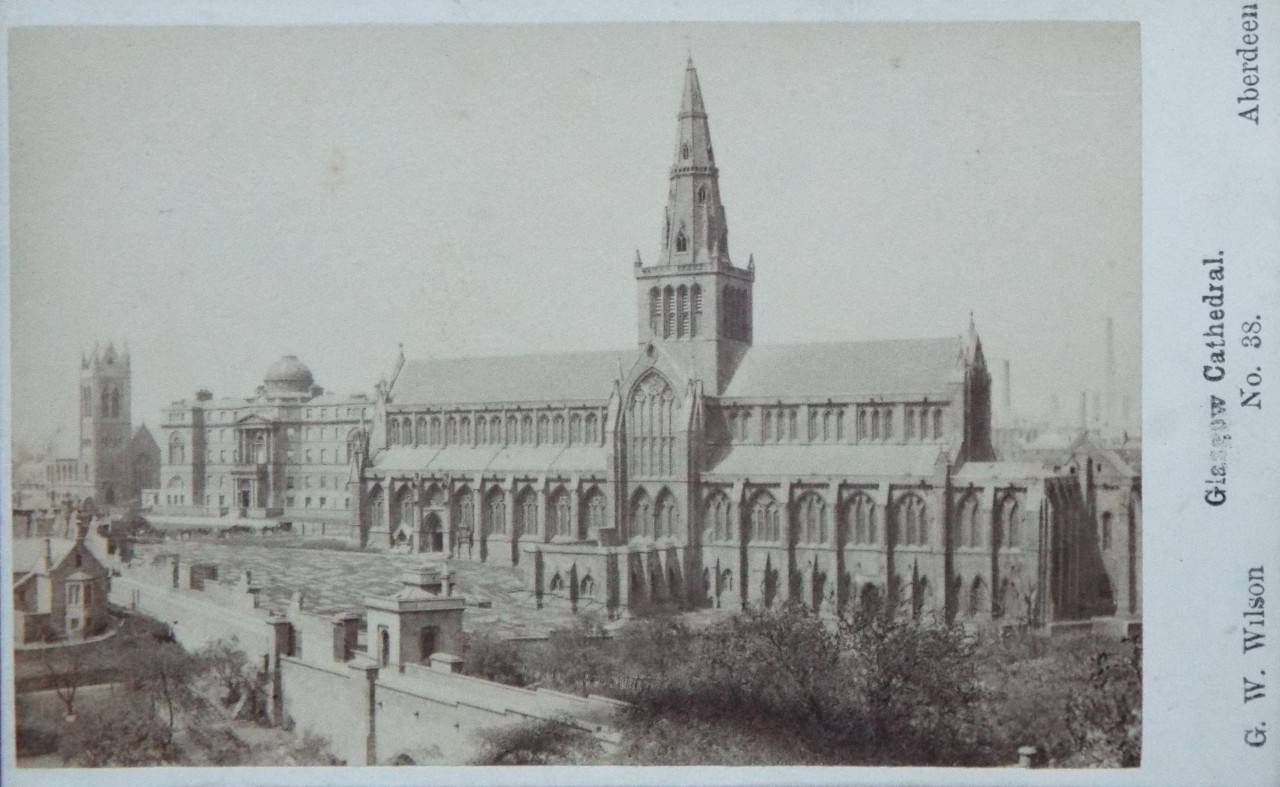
(1008, 395)
(1111, 370)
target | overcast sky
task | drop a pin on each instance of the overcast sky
(220, 197)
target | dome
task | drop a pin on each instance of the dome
(289, 375)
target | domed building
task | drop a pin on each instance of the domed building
(288, 378)
(278, 459)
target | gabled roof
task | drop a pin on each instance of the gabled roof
(889, 367)
(28, 552)
(581, 376)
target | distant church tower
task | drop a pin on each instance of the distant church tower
(694, 301)
(105, 424)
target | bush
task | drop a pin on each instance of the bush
(537, 742)
(494, 659)
(125, 733)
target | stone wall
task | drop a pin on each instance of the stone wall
(325, 685)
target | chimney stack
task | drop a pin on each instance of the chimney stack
(1008, 395)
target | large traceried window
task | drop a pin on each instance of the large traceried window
(911, 525)
(669, 309)
(562, 524)
(861, 520)
(650, 428)
(811, 519)
(715, 518)
(526, 520)
(495, 509)
(766, 522)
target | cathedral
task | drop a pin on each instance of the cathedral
(106, 462)
(699, 468)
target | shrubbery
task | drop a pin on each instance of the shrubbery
(785, 687)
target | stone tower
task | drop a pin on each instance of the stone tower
(105, 424)
(694, 301)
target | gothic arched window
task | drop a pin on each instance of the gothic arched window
(562, 525)
(682, 312)
(909, 425)
(702, 195)
(655, 311)
(811, 516)
(1009, 521)
(861, 522)
(495, 510)
(437, 435)
(591, 436)
(668, 313)
(393, 432)
(967, 527)
(597, 511)
(664, 525)
(420, 434)
(557, 429)
(526, 513)
(716, 518)
(684, 151)
(875, 424)
(765, 523)
(682, 241)
(526, 429)
(575, 428)
(912, 526)
(695, 313)
(641, 515)
(543, 425)
(650, 428)
(937, 424)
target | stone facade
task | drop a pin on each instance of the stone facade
(107, 462)
(701, 468)
(282, 457)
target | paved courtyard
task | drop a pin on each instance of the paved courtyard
(334, 580)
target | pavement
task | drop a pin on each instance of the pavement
(336, 580)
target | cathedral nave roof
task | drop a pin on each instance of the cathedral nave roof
(842, 460)
(883, 367)
(461, 460)
(560, 377)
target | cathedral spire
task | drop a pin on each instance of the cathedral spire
(695, 230)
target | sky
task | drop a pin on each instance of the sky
(219, 197)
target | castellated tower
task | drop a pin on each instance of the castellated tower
(105, 424)
(694, 302)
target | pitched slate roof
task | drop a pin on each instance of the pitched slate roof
(871, 460)
(495, 459)
(581, 376)
(27, 553)
(899, 366)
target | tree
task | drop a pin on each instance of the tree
(163, 674)
(126, 732)
(537, 742)
(62, 665)
(494, 659)
(241, 685)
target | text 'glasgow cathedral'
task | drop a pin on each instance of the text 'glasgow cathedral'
(698, 468)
